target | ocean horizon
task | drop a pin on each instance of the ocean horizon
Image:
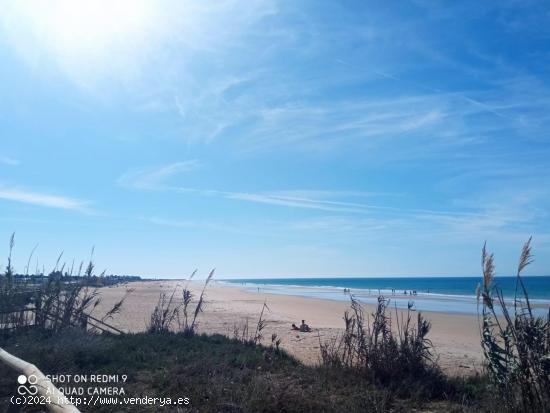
(442, 294)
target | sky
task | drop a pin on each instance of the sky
(275, 138)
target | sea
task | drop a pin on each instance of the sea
(441, 294)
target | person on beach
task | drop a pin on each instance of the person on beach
(304, 328)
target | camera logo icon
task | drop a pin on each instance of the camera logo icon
(27, 385)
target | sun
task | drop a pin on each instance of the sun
(89, 31)
(95, 24)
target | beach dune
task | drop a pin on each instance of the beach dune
(455, 336)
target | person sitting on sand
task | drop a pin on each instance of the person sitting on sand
(304, 328)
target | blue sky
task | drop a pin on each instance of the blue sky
(267, 138)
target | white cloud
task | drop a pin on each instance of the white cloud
(44, 200)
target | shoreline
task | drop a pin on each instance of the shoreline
(425, 302)
(455, 336)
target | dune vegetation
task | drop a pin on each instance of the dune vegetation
(381, 362)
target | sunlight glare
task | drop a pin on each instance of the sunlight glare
(87, 29)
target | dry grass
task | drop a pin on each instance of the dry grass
(394, 354)
(59, 301)
(242, 332)
(168, 311)
(374, 349)
(517, 345)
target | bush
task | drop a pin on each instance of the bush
(378, 352)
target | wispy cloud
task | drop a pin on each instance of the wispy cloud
(275, 198)
(155, 178)
(311, 202)
(43, 200)
(328, 200)
(6, 160)
(464, 220)
(292, 116)
(340, 201)
(307, 203)
(192, 225)
(378, 106)
(298, 123)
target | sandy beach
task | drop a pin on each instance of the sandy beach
(455, 336)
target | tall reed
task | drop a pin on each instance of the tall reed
(167, 310)
(242, 332)
(375, 349)
(516, 343)
(54, 302)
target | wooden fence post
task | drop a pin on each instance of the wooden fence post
(44, 386)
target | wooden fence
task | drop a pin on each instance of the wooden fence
(30, 316)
